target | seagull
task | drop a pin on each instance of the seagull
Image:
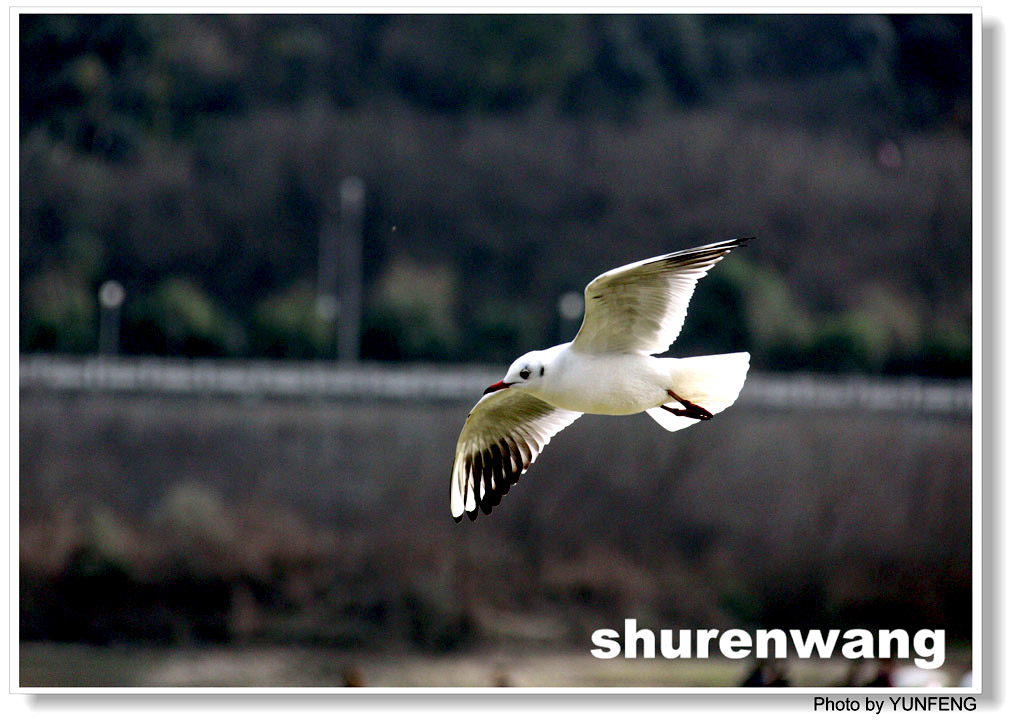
(631, 313)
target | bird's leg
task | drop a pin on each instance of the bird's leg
(691, 410)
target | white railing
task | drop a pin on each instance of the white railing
(256, 378)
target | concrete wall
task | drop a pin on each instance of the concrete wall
(761, 514)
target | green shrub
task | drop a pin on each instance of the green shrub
(288, 325)
(58, 313)
(179, 318)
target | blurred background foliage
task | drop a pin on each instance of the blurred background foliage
(507, 159)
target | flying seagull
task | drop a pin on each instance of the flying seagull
(630, 313)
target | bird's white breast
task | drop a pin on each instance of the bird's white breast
(608, 384)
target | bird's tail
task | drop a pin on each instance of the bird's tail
(710, 381)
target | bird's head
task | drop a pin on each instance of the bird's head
(526, 371)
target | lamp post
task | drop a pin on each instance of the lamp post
(111, 298)
(340, 276)
(571, 307)
(352, 213)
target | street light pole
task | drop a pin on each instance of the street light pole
(571, 308)
(111, 298)
(352, 213)
(327, 298)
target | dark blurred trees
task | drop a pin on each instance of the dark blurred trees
(507, 159)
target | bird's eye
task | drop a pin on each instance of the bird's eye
(525, 372)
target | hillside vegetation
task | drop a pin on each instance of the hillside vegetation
(506, 159)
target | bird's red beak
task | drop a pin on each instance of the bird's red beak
(496, 387)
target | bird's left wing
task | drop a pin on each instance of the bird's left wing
(502, 437)
(640, 307)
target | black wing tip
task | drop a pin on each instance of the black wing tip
(495, 468)
(705, 252)
(727, 245)
(723, 245)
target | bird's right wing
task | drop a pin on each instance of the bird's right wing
(640, 307)
(502, 437)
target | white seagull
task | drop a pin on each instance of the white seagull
(630, 313)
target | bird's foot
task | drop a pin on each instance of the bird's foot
(690, 410)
